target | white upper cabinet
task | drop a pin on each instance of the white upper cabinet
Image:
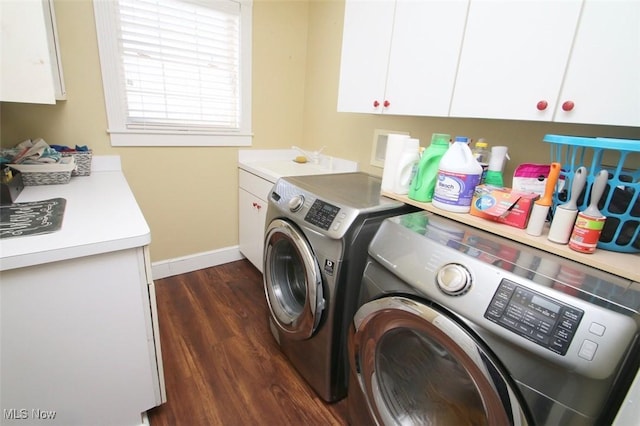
(400, 57)
(574, 61)
(602, 82)
(366, 42)
(513, 58)
(30, 69)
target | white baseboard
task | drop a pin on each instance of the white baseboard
(182, 265)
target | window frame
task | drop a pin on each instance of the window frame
(120, 135)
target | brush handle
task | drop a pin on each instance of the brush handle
(550, 187)
(579, 180)
(597, 190)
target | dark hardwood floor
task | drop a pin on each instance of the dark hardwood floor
(222, 366)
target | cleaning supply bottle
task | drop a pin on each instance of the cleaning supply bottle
(494, 176)
(424, 180)
(393, 151)
(482, 154)
(458, 175)
(406, 165)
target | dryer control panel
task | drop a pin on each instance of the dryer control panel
(534, 316)
(321, 214)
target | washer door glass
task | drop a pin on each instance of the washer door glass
(415, 366)
(292, 280)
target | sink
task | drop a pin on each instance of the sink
(272, 167)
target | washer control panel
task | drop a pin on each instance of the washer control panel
(534, 316)
(321, 214)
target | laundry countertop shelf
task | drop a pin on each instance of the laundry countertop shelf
(622, 264)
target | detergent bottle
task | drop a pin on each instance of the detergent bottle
(494, 175)
(458, 175)
(424, 179)
(406, 164)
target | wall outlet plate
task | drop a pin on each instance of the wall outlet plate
(379, 146)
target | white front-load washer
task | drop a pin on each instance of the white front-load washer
(459, 326)
(317, 233)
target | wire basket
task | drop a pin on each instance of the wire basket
(620, 202)
(47, 173)
(83, 162)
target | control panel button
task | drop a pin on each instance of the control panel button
(597, 329)
(453, 279)
(588, 350)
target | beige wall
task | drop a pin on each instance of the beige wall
(189, 195)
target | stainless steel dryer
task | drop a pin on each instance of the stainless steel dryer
(318, 230)
(458, 326)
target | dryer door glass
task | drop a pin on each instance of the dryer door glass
(420, 367)
(292, 280)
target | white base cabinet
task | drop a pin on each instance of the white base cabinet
(253, 202)
(79, 336)
(78, 346)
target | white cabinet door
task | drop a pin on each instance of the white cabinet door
(514, 55)
(603, 75)
(30, 71)
(400, 57)
(76, 343)
(424, 55)
(253, 214)
(366, 42)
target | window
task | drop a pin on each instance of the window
(176, 72)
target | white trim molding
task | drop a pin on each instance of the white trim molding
(194, 262)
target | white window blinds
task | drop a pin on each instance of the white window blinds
(176, 72)
(180, 63)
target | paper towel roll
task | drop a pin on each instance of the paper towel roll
(395, 147)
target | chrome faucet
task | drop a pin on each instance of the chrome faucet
(314, 156)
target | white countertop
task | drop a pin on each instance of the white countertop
(272, 164)
(101, 216)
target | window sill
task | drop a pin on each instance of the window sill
(178, 139)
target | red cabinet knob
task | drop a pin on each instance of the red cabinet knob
(542, 105)
(568, 106)
(376, 104)
(386, 104)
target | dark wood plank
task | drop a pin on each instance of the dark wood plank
(221, 363)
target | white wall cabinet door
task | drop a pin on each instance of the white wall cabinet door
(602, 83)
(400, 57)
(31, 70)
(427, 36)
(366, 42)
(514, 55)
